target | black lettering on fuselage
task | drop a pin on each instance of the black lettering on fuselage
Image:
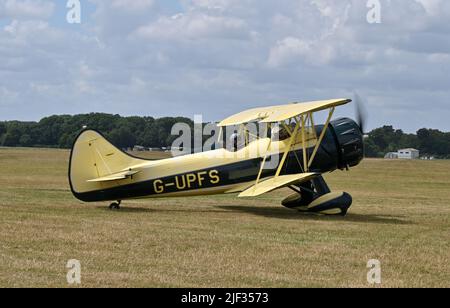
(194, 180)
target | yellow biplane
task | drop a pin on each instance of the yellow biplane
(299, 152)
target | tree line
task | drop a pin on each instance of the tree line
(430, 142)
(61, 131)
(126, 132)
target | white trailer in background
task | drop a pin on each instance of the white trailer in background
(408, 154)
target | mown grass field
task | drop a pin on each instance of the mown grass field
(401, 216)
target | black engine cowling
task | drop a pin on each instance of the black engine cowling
(350, 142)
(341, 148)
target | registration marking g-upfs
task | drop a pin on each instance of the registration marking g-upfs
(187, 181)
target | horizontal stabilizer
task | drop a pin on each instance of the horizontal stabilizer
(114, 177)
(276, 183)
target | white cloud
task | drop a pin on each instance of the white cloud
(221, 56)
(24, 29)
(135, 5)
(433, 7)
(437, 58)
(194, 26)
(295, 51)
(19, 9)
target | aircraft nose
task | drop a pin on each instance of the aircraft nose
(350, 142)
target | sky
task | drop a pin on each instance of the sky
(218, 57)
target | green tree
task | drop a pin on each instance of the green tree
(434, 142)
(122, 138)
(12, 138)
(2, 128)
(2, 131)
(25, 140)
(371, 149)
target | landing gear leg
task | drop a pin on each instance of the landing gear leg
(115, 205)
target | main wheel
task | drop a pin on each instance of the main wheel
(331, 204)
(328, 204)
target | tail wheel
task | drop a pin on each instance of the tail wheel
(115, 205)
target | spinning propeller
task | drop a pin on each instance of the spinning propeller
(361, 113)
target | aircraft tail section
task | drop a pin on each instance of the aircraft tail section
(95, 163)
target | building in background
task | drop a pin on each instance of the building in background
(403, 154)
(139, 148)
(391, 155)
(408, 154)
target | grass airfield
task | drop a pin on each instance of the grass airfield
(400, 215)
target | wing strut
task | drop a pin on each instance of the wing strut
(288, 149)
(305, 153)
(322, 135)
(264, 160)
(301, 124)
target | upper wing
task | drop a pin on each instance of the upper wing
(280, 113)
(276, 183)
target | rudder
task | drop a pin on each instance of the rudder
(93, 156)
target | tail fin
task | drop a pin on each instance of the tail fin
(94, 157)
